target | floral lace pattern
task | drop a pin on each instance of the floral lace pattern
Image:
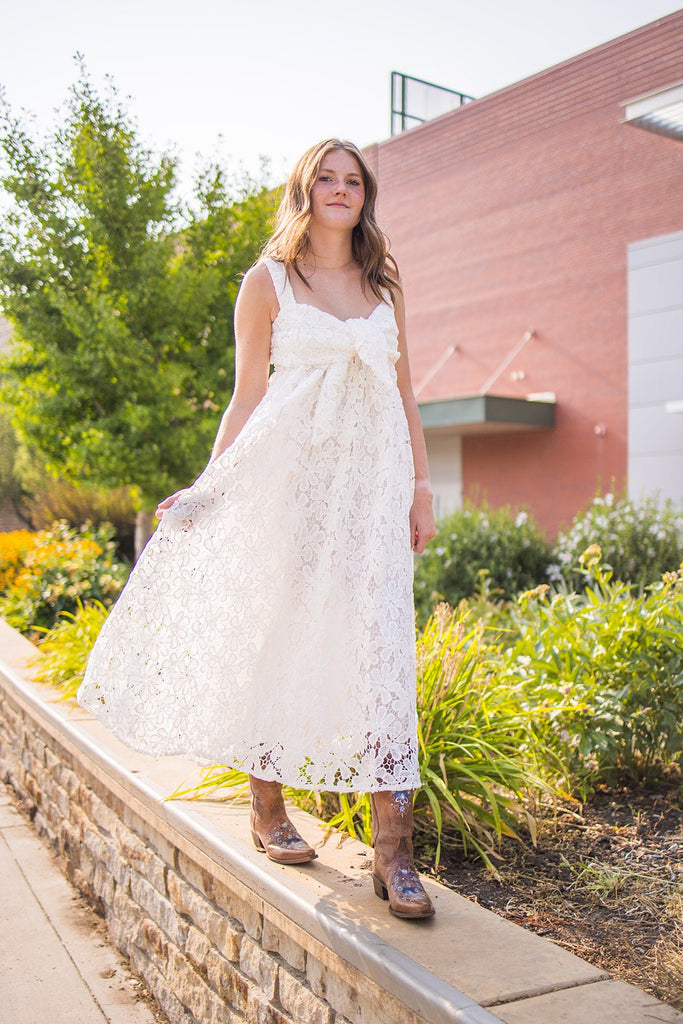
(269, 623)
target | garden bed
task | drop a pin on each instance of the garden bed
(605, 882)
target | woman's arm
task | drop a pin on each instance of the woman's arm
(255, 310)
(422, 527)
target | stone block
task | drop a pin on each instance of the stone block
(52, 813)
(338, 993)
(275, 939)
(85, 863)
(196, 875)
(96, 845)
(261, 1011)
(120, 933)
(224, 936)
(115, 864)
(219, 1012)
(140, 857)
(38, 748)
(259, 966)
(100, 814)
(33, 788)
(300, 1003)
(103, 884)
(61, 798)
(69, 840)
(54, 765)
(249, 915)
(126, 911)
(158, 908)
(147, 832)
(230, 985)
(42, 824)
(150, 938)
(188, 987)
(196, 950)
(158, 985)
(191, 903)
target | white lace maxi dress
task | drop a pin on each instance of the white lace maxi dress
(269, 623)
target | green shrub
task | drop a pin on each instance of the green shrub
(603, 674)
(48, 500)
(507, 545)
(64, 649)
(639, 540)
(63, 566)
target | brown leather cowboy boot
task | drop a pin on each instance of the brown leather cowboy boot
(394, 875)
(271, 829)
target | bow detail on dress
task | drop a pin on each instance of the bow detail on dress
(372, 348)
(363, 340)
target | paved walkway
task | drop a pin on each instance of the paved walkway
(56, 966)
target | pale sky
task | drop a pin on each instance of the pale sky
(274, 76)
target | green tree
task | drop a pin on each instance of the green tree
(121, 301)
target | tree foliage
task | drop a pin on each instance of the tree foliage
(121, 301)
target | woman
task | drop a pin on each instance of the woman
(269, 623)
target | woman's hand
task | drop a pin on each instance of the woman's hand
(164, 505)
(422, 525)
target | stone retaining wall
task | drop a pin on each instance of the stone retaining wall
(202, 948)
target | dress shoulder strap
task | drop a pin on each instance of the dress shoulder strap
(279, 278)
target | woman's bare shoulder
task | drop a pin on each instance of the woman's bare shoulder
(257, 286)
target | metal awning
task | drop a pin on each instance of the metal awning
(660, 112)
(488, 414)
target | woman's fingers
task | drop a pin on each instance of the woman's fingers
(422, 529)
(164, 505)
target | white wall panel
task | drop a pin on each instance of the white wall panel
(655, 356)
(655, 336)
(655, 381)
(444, 453)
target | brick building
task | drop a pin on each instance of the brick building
(539, 232)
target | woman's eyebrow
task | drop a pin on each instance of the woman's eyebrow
(331, 170)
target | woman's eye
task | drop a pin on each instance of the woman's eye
(354, 183)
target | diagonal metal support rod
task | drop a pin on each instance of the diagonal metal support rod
(526, 337)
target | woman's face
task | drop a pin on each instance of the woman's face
(338, 192)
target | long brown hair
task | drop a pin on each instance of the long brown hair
(290, 241)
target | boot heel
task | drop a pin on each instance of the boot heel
(380, 888)
(257, 842)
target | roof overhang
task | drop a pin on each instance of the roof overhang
(660, 112)
(488, 414)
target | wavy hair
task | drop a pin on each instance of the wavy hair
(290, 240)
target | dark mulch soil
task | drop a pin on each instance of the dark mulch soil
(605, 881)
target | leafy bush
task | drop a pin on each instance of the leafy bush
(603, 674)
(507, 545)
(64, 649)
(62, 567)
(639, 540)
(480, 758)
(60, 500)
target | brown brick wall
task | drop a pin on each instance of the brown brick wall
(515, 213)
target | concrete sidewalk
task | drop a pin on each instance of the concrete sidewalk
(56, 965)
